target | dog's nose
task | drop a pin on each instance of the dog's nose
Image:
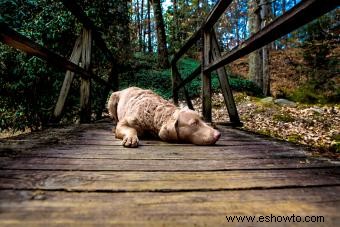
(217, 135)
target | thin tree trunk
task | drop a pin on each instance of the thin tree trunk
(255, 63)
(175, 25)
(150, 49)
(142, 26)
(163, 56)
(266, 17)
(139, 26)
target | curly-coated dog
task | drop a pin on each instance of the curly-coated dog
(137, 111)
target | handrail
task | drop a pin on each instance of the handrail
(212, 18)
(299, 15)
(87, 22)
(20, 42)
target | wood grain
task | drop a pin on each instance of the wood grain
(86, 181)
(155, 209)
(82, 176)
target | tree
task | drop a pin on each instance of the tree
(163, 56)
(254, 23)
(259, 17)
(266, 17)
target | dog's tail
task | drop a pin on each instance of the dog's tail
(112, 105)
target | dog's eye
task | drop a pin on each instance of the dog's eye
(193, 122)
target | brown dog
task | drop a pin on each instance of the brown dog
(137, 111)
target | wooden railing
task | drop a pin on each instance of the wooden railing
(81, 53)
(302, 13)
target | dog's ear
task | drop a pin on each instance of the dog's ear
(169, 130)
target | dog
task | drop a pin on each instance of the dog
(138, 112)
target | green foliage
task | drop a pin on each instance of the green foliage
(160, 80)
(321, 63)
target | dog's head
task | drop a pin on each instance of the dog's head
(187, 126)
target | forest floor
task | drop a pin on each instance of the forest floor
(315, 126)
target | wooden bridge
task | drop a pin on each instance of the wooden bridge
(81, 175)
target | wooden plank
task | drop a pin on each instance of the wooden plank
(82, 164)
(158, 153)
(302, 13)
(224, 82)
(206, 78)
(159, 209)
(85, 84)
(166, 181)
(75, 58)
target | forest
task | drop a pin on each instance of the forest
(288, 89)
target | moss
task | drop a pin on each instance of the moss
(294, 138)
(283, 118)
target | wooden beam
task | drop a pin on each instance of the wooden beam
(192, 76)
(206, 78)
(75, 58)
(85, 84)
(20, 42)
(189, 43)
(212, 18)
(224, 82)
(76, 10)
(215, 14)
(299, 15)
(176, 79)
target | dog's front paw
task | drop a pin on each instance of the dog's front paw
(130, 141)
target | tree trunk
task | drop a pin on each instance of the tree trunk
(142, 26)
(150, 49)
(255, 63)
(163, 56)
(175, 26)
(266, 17)
(139, 26)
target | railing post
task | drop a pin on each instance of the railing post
(75, 58)
(85, 84)
(224, 82)
(206, 76)
(175, 82)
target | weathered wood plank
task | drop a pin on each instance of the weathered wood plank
(168, 154)
(41, 163)
(166, 181)
(157, 209)
(165, 152)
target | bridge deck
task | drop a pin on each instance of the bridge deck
(82, 176)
